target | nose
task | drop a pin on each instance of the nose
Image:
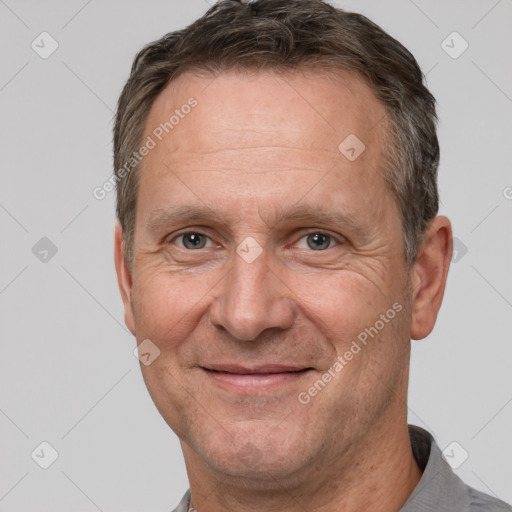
(252, 299)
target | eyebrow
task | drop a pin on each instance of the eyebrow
(162, 218)
(298, 213)
(317, 215)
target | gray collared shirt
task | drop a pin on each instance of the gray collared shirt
(439, 489)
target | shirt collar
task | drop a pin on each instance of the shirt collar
(439, 488)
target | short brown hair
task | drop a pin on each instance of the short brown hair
(273, 34)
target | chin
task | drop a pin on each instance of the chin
(261, 453)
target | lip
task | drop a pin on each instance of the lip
(262, 369)
(258, 379)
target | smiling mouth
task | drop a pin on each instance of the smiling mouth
(266, 369)
(256, 373)
(246, 380)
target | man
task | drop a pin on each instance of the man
(277, 249)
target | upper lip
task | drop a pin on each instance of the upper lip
(266, 368)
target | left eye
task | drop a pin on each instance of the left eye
(316, 241)
(192, 240)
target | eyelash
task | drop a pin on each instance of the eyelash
(189, 233)
(336, 239)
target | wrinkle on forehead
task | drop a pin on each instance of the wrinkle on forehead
(292, 105)
(270, 138)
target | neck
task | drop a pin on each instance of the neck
(378, 472)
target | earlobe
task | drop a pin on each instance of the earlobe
(124, 278)
(429, 274)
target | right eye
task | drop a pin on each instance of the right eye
(192, 240)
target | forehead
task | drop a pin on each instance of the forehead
(308, 109)
(263, 134)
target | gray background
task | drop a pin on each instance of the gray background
(68, 375)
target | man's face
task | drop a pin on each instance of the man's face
(260, 243)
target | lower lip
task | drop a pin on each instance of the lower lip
(255, 381)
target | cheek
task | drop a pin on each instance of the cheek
(366, 329)
(340, 303)
(368, 332)
(167, 307)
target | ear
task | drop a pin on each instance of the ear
(124, 278)
(429, 275)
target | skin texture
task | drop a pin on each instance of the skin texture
(256, 146)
